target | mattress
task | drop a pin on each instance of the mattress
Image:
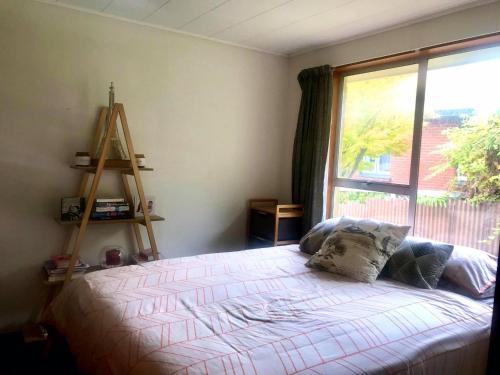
(263, 312)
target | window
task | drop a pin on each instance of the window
(418, 143)
(378, 168)
(377, 121)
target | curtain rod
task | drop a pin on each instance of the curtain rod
(463, 44)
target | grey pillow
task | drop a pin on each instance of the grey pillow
(418, 262)
(312, 240)
(358, 249)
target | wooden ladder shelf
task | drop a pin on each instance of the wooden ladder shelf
(80, 226)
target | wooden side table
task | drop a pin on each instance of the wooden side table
(273, 224)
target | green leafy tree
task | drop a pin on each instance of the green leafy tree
(473, 151)
(377, 120)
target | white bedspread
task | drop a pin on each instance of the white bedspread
(263, 312)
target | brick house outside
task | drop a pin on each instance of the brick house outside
(396, 169)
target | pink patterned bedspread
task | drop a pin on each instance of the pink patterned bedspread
(263, 312)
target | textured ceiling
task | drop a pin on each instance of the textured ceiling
(278, 26)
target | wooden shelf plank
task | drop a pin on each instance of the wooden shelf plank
(139, 220)
(284, 213)
(92, 169)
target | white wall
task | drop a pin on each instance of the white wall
(208, 116)
(460, 25)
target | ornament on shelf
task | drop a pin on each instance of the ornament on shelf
(141, 160)
(82, 159)
(116, 150)
(112, 256)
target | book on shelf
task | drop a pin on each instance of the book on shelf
(62, 276)
(51, 268)
(110, 208)
(55, 268)
(110, 204)
(110, 200)
(62, 261)
(109, 215)
(122, 207)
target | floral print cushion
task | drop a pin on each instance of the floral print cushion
(312, 240)
(358, 249)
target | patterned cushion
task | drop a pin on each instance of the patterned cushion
(358, 249)
(313, 239)
(418, 262)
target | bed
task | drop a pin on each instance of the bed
(264, 312)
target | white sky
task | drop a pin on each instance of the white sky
(475, 85)
(464, 80)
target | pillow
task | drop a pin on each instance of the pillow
(358, 249)
(473, 271)
(452, 287)
(418, 262)
(313, 239)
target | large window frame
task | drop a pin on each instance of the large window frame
(421, 58)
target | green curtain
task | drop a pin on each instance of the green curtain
(311, 142)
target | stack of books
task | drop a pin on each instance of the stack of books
(56, 267)
(110, 208)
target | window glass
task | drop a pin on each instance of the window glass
(458, 185)
(367, 204)
(377, 125)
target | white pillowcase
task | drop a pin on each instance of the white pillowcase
(358, 249)
(473, 271)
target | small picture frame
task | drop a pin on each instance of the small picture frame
(72, 208)
(138, 211)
